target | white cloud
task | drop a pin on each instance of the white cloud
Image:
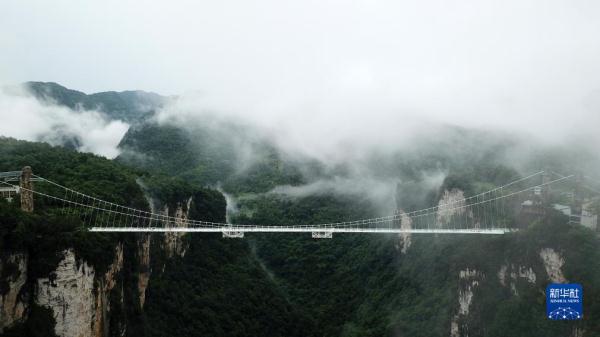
(328, 77)
(24, 117)
(380, 191)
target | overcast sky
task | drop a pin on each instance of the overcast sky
(508, 63)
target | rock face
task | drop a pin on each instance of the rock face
(405, 238)
(79, 301)
(12, 307)
(78, 296)
(468, 280)
(144, 260)
(509, 274)
(553, 263)
(451, 204)
(174, 244)
(105, 285)
(70, 296)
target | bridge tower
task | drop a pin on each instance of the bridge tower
(26, 189)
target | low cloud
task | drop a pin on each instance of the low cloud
(331, 79)
(25, 117)
(380, 191)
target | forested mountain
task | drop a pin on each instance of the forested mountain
(372, 286)
(137, 282)
(285, 284)
(129, 106)
(204, 155)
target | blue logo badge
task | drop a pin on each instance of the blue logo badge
(564, 301)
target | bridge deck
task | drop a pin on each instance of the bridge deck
(283, 229)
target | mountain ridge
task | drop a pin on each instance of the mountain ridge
(129, 106)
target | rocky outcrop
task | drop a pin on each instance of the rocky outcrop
(509, 274)
(405, 238)
(12, 306)
(174, 244)
(79, 300)
(468, 280)
(70, 295)
(144, 261)
(525, 273)
(553, 263)
(84, 302)
(105, 285)
(451, 204)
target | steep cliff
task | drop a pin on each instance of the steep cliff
(468, 281)
(450, 205)
(404, 239)
(57, 279)
(169, 245)
(143, 254)
(86, 297)
(13, 272)
(174, 244)
(78, 297)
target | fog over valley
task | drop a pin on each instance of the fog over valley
(383, 73)
(330, 168)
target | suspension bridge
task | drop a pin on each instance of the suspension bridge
(491, 212)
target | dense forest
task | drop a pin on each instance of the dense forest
(129, 106)
(213, 269)
(287, 284)
(363, 285)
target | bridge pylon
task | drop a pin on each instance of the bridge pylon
(26, 189)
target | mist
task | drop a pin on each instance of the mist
(336, 81)
(380, 191)
(322, 75)
(25, 117)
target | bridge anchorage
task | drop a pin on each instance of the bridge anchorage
(491, 212)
